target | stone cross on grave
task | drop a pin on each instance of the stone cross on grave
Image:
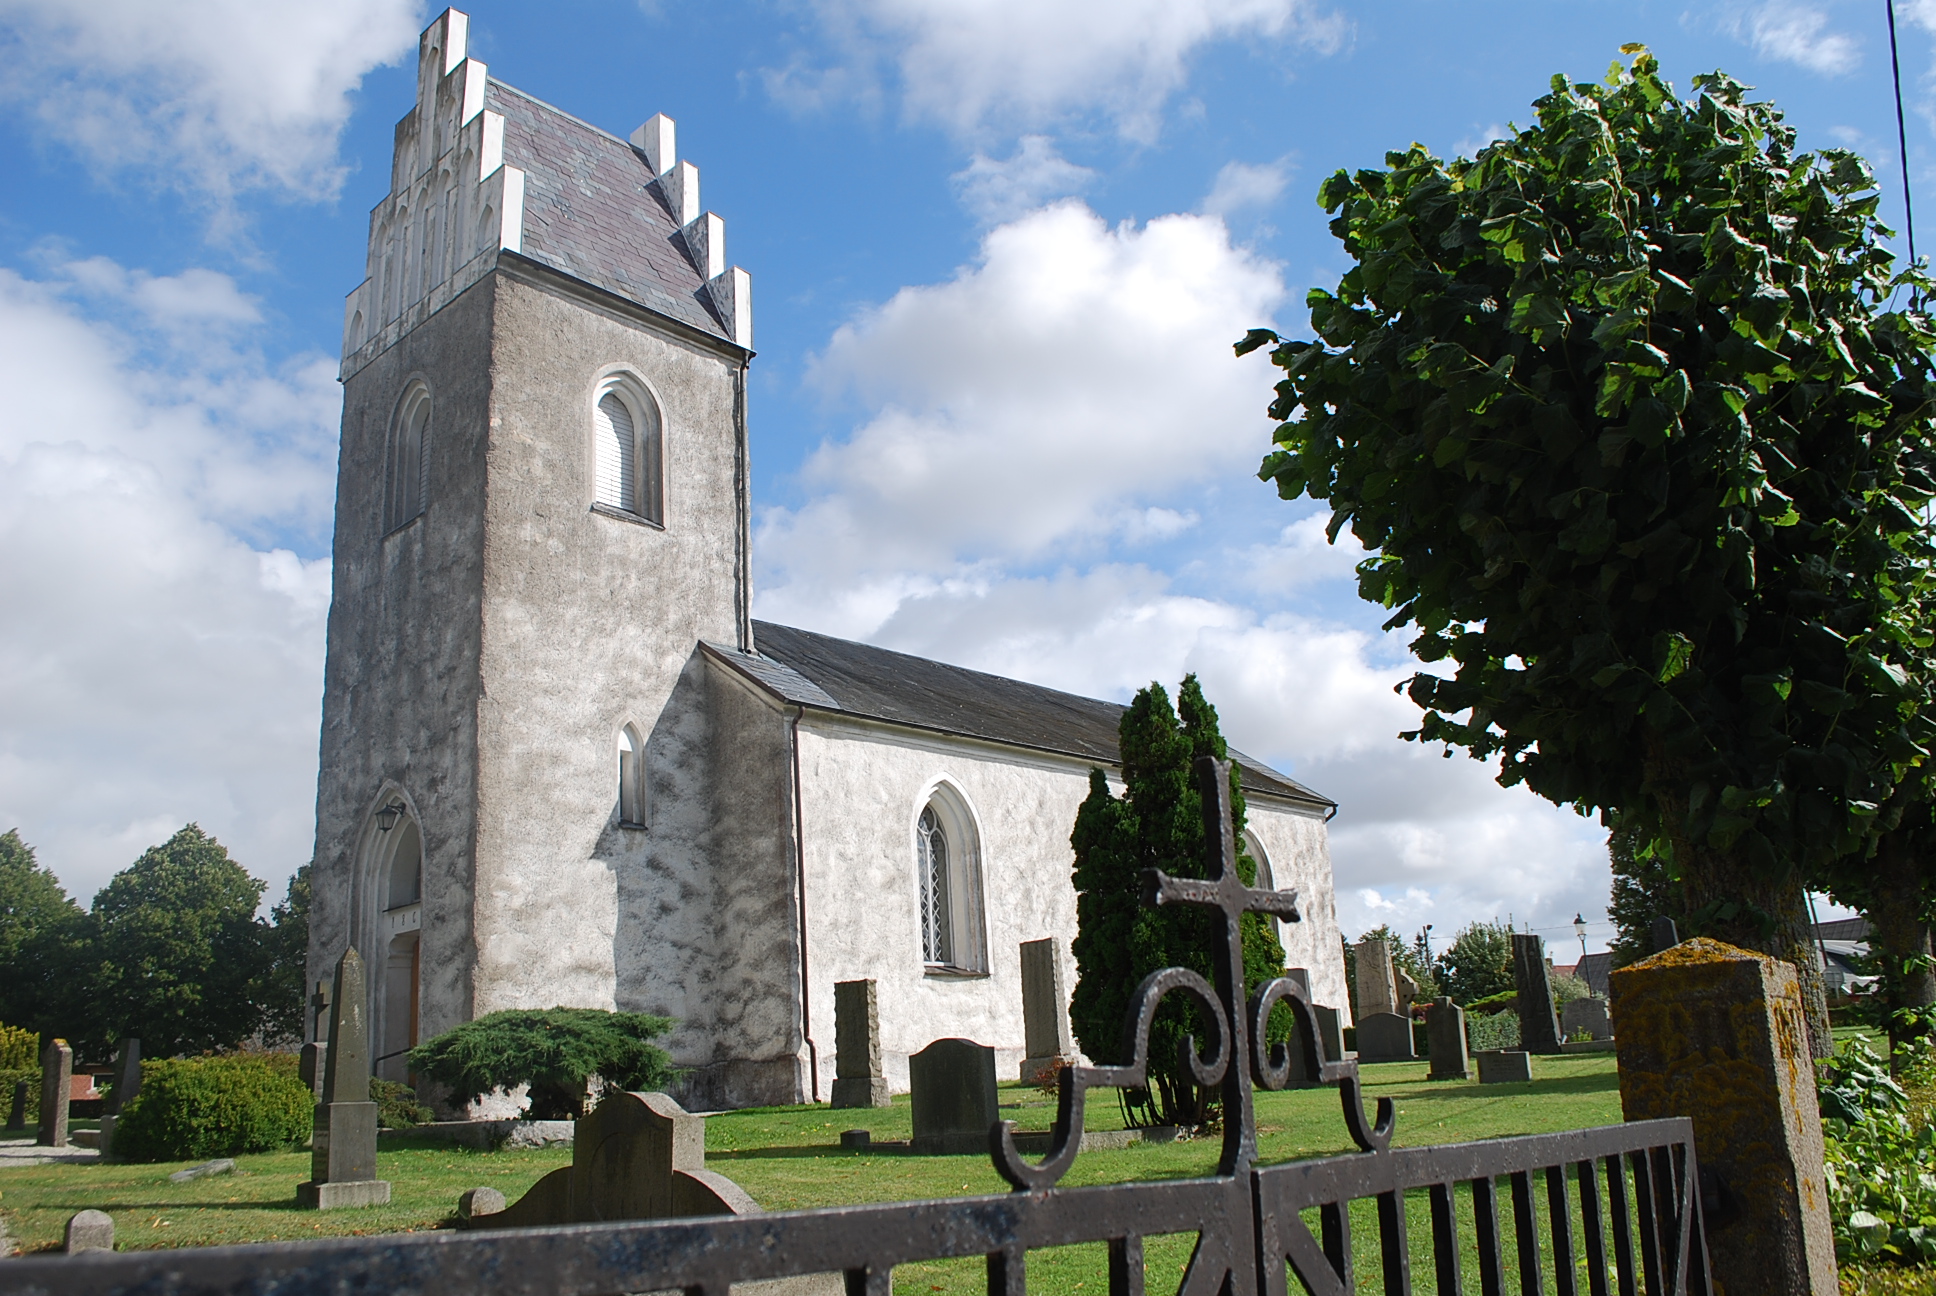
(1224, 890)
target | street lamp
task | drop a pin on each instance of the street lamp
(1579, 929)
(1427, 934)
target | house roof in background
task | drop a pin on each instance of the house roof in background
(824, 673)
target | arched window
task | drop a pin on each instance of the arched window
(407, 475)
(631, 778)
(947, 862)
(626, 441)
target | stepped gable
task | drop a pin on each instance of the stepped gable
(593, 211)
(820, 672)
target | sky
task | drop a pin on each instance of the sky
(999, 253)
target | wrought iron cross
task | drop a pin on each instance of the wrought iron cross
(1242, 1051)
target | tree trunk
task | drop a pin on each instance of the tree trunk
(1714, 881)
(1899, 916)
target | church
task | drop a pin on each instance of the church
(561, 762)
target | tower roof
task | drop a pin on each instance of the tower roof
(592, 209)
(820, 672)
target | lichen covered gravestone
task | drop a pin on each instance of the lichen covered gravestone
(1718, 1034)
(1045, 1003)
(342, 1164)
(1539, 1027)
(858, 1081)
(1445, 1037)
(1375, 985)
(953, 1083)
(56, 1087)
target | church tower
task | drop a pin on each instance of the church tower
(541, 515)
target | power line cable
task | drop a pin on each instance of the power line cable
(1902, 135)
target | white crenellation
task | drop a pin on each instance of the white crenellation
(453, 204)
(732, 294)
(706, 244)
(680, 185)
(655, 140)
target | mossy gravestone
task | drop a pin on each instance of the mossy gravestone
(342, 1159)
(1717, 1034)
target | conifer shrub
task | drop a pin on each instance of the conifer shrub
(215, 1105)
(397, 1106)
(19, 1048)
(555, 1051)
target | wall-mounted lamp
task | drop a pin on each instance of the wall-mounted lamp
(387, 817)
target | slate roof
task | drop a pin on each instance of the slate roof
(591, 210)
(823, 673)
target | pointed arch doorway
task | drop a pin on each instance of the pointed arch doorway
(394, 876)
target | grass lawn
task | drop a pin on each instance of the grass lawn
(789, 1158)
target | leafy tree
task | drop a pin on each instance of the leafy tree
(1642, 453)
(281, 992)
(1643, 890)
(1157, 823)
(555, 1050)
(177, 950)
(1896, 890)
(1478, 963)
(39, 929)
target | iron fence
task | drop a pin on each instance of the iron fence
(1622, 1206)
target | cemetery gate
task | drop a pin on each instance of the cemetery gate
(1622, 1207)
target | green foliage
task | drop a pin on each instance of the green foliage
(219, 1105)
(1643, 454)
(19, 1048)
(177, 950)
(39, 929)
(1882, 1197)
(554, 1050)
(1568, 988)
(279, 991)
(1477, 964)
(1499, 1030)
(1643, 889)
(397, 1106)
(1157, 823)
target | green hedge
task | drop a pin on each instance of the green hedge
(193, 1108)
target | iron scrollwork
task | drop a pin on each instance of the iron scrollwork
(1241, 1056)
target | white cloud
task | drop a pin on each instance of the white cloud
(1242, 185)
(156, 664)
(1023, 64)
(1796, 33)
(211, 97)
(996, 191)
(1030, 403)
(1470, 146)
(1302, 555)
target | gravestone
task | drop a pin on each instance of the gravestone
(1445, 1033)
(1539, 1028)
(319, 1003)
(954, 1097)
(313, 1067)
(17, 1114)
(1407, 992)
(89, 1230)
(1385, 1037)
(1330, 1031)
(342, 1158)
(1375, 988)
(858, 1081)
(1303, 1070)
(1505, 1066)
(1045, 1020)
(127, 1083)
(56, 1086)
(1718, 1034)
(1589, 1015)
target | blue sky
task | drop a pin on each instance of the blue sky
(998, 252)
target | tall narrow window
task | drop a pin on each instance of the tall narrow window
(407, 473)
(631, 778)
(626, 441)
(618, 454)
(937, 925)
